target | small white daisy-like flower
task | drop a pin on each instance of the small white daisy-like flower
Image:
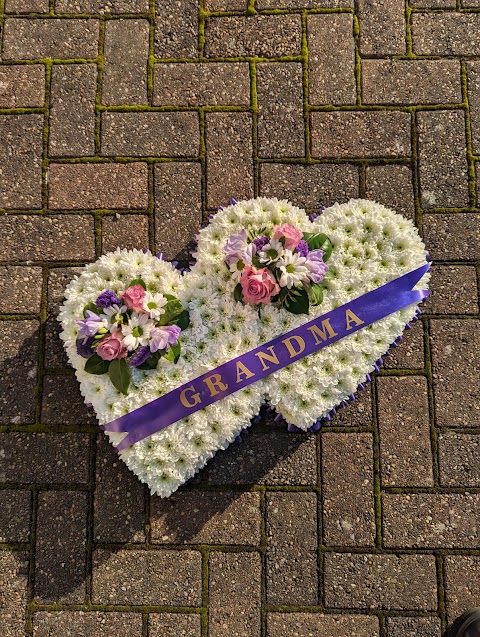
(271, 251)
(114, 316)
(293, 269)
(137, 331)
(153, 304)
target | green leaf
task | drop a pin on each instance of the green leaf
(315, 294)
(327, 250)
(120, 374)
(170, 297)
(173, 353)
(173, 310)
(297, 301)
(183, 321)
(138, 281)
(152, 361)
(90, 306)
(96, 365)
(315, 240)
(238, 293)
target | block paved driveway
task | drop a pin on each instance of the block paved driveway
(124, 123)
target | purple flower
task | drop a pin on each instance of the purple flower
(162, 336)
(237, 249)
(302, 248)
(316, 265)
(90, 325)
(108, 298)
(259, 242)
(140, 357)
(85, 348)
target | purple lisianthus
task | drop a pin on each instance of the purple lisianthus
(107, 299)
(259, 242)
(90, 325)
(235, 246)
(140, 357)
(162, 336)
(316, 265)
(85, 348)
(302, 248)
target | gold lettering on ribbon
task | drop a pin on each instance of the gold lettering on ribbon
(320, 335)
(214, 384)
(196, 397)
(242, 370)
(351, 317)
(271, 358)
(291, 349)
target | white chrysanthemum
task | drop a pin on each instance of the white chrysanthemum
(114, 316)
(293, 269)
(153, 304)
(272, 252)
(136, 332)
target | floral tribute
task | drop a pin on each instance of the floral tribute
(284, 266)
(134, 329)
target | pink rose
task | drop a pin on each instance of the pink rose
(292, 235)
(111, 347)
(258, 286)
(133, 297)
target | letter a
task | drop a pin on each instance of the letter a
(242, 370)
(350, 318)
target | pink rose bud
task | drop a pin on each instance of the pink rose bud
(292, 235)
(258, 286)
(133, 297)
(111, 347)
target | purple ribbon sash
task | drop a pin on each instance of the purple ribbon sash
(268, 358)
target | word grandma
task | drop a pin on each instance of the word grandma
(262, 361)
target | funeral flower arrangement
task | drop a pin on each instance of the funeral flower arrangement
(366, 246)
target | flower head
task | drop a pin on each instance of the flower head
(302, 248)
(133, 297)
(90, 325)
(293, 269)
(290, 235)
(114, 316)
(271, 251)
(140, 356)
(316, 265)
(107, 298)
(259, 242)
(137, 331)
(153, 304)
(258, 286)
(84, 348)
(162, 336)
(112, 347)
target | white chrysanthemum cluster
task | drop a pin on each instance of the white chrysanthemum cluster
(372, 245)
(220, 329)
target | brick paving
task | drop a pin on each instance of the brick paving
(125, 123)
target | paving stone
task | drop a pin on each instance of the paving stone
(178, 206)
(442, 161)
(431, 520)
(459, 459)
(304, 4)
(101, 6)
(26, 6)
(382, 27)
(55, 355)
(90, 186)
(348, 498)
(273, 458)
(291, 530)
(26, 39)
(18, 363)
(467, 4)
(360, 134)
(119, 510)
(397, 582)
(15, 515)
(253, 36)
(176, 28)
(124, 231)
(200, 84)
(13, 584)
(150, 134)
(462, 574)
(74, 624)
(147, 577)
(175, 625)
(331, 71)
(454, 290)
(413, 626)
(63, 403)
(234, 594)
(391, 185)
(58, 279)
(473, 84)
(21, 172)
(455, 344)
(356, 413)
(411, 81)
(280, 108)
(446, 33)
(72, 110)
(226, 5)
(206, 517)
(42, 458)
(317, 625)
(405, 447)
(35, 238)
(126, 56)
(410, 353)
(60, 551)
(434, 4)
(445, 234)
(309, 186)
(229, 157)
(22, 86)
(20, 289)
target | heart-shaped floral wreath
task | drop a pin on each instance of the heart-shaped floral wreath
(135, 328)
